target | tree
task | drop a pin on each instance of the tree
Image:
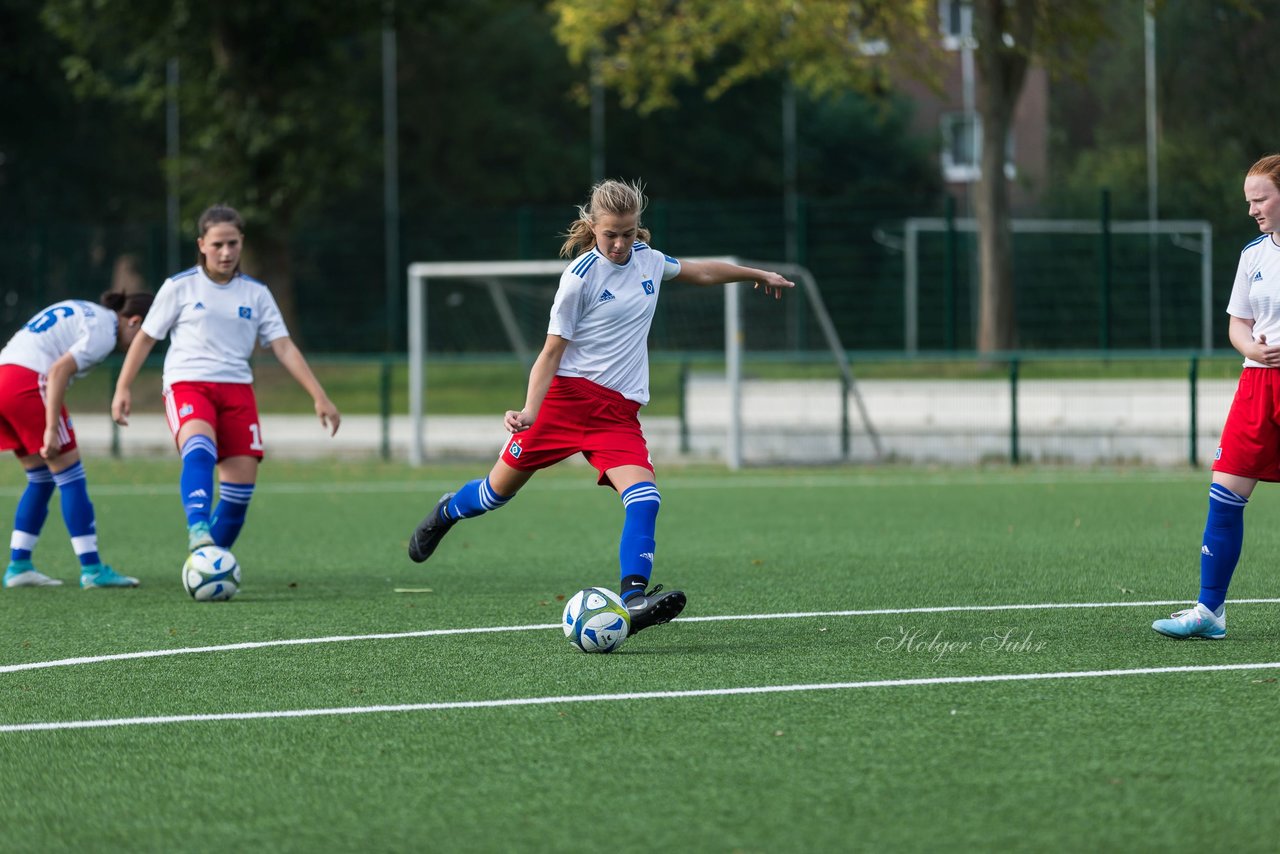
(644, 47)
(261, 85)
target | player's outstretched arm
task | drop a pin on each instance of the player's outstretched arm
(296, 364)
(122, 400)
(722, 273)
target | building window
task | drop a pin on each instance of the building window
(955, 21)
(962, 148)
(961, 142)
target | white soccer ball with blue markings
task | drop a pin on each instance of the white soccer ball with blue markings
(211, 574)
(595, 620)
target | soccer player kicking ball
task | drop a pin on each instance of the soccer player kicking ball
(40, 361)
(589, 382)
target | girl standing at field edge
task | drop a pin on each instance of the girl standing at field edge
(587, 385)
(1249, 450)
(213, 314)
(38, 364)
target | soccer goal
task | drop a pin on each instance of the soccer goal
(452, 305)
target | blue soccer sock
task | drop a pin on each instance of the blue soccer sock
(641, 503)
(474, 498)
(228, 517)
(33, 509)
(77, 512)
(199, 456)
(1223, 537)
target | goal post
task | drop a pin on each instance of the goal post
(492, 275)
(419, 274)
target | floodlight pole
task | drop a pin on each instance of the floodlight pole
(1153, 171)
(390, 174)
(171, 153)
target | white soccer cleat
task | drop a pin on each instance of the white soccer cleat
(1197, 622)
(23, 574)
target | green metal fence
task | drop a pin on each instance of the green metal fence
(1071, 291)
(1080, 407)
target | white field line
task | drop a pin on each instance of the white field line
(425, 633)
(640, 695)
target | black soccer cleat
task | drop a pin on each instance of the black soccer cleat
(430, 531)
(654, 608)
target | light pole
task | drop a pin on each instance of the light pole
(1153, 172)
(171, 154)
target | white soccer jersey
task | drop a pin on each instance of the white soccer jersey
(1256, 293)
(605, 311)
(212, 327)
(84, 329)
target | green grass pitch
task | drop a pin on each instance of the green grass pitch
(735, 729)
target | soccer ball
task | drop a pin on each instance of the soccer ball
(211, 574)
(595, 620)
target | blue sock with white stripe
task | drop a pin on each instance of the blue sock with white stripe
(33, 509)
(228, 517)
(199, 457)
(636, 547)
(1223, 537)
(77, 512)
(474, 498)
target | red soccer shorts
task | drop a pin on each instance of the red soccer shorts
(231, 408)
(578, 415)
(1250, 443)
(22, 413)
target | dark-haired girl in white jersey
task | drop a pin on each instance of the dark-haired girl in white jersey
(589, 382)
(213, 314)
(40, 361)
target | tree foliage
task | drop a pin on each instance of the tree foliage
(59, 156)
(260, 85)
(1205, 141)
(643, 47)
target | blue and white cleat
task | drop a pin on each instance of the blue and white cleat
(101, 575)
(198, 536)
(22, 574)
(1197, 622)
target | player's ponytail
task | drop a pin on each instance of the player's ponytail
(618, 198)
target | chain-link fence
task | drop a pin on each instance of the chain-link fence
(1065, 286)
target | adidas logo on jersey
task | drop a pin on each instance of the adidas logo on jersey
(1257, 277)
(605, 297)
(199, 306)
